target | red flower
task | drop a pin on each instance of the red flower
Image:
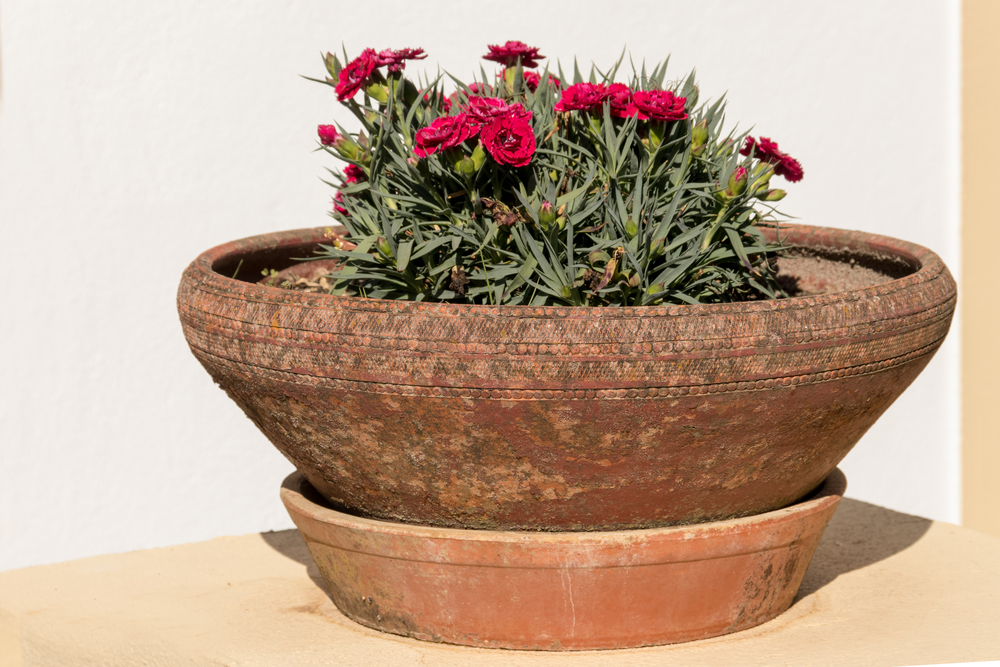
(353, 76)
(510, 140)
(508, 54)
(620, 98)
(480, 89)
(354, 174)
(767, 151)
(445, 132)
(582, 97)
(396, 59)
(661, 105)
(328, 134)
(483, 110)
(337, 199)
(790, 169)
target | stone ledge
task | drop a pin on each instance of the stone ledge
(884, 589)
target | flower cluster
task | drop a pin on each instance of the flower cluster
(505, 131)
(364, 69)
(656, 105)
(536, 188)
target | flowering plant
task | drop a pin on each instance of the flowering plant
(524, 188)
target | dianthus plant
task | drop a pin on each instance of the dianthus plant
(524, 188)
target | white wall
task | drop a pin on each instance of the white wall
(134, 135)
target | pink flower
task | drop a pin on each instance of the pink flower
(620, 98)
(483, 110)
(508, 54)
(354, 174)
(396, 59)
(661, 105)
(510, 140)
(582, 97)
(445, 132)
(328, 134)
(767, 151)
(353, 76)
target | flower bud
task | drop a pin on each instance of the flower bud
(328, 134)
(633, 280)
(546, 215)
(377, 91)
(699, 137)
(631, 229)
(383, 247)
(478, 157)
(508, 77)
(461, 162)
(657, 248)
(737, 182)
(464, 166)
(343, 144)
(772, 195)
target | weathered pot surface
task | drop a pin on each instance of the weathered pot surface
(562, 591)
(510, 418)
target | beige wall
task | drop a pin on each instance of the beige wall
(980, 298)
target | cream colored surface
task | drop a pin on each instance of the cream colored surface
(884, 589)
(980, 300)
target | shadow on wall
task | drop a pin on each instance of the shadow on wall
(858, 535)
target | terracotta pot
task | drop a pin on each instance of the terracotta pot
(570, 418)
(562, 591)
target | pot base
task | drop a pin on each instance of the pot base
(562, 591)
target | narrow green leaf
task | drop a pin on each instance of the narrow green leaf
(403, 255)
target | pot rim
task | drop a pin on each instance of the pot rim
(295, 491)
(930, 267)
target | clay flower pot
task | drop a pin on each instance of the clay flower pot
(562, 591)
(569, 419)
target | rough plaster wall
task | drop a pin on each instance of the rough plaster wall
(135, 135)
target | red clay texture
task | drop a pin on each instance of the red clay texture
(562, 591)
(569, 419)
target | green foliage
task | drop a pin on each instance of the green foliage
(609, 212)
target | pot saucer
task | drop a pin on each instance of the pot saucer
(561, 590)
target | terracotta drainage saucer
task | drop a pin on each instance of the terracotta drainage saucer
(562, 591)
